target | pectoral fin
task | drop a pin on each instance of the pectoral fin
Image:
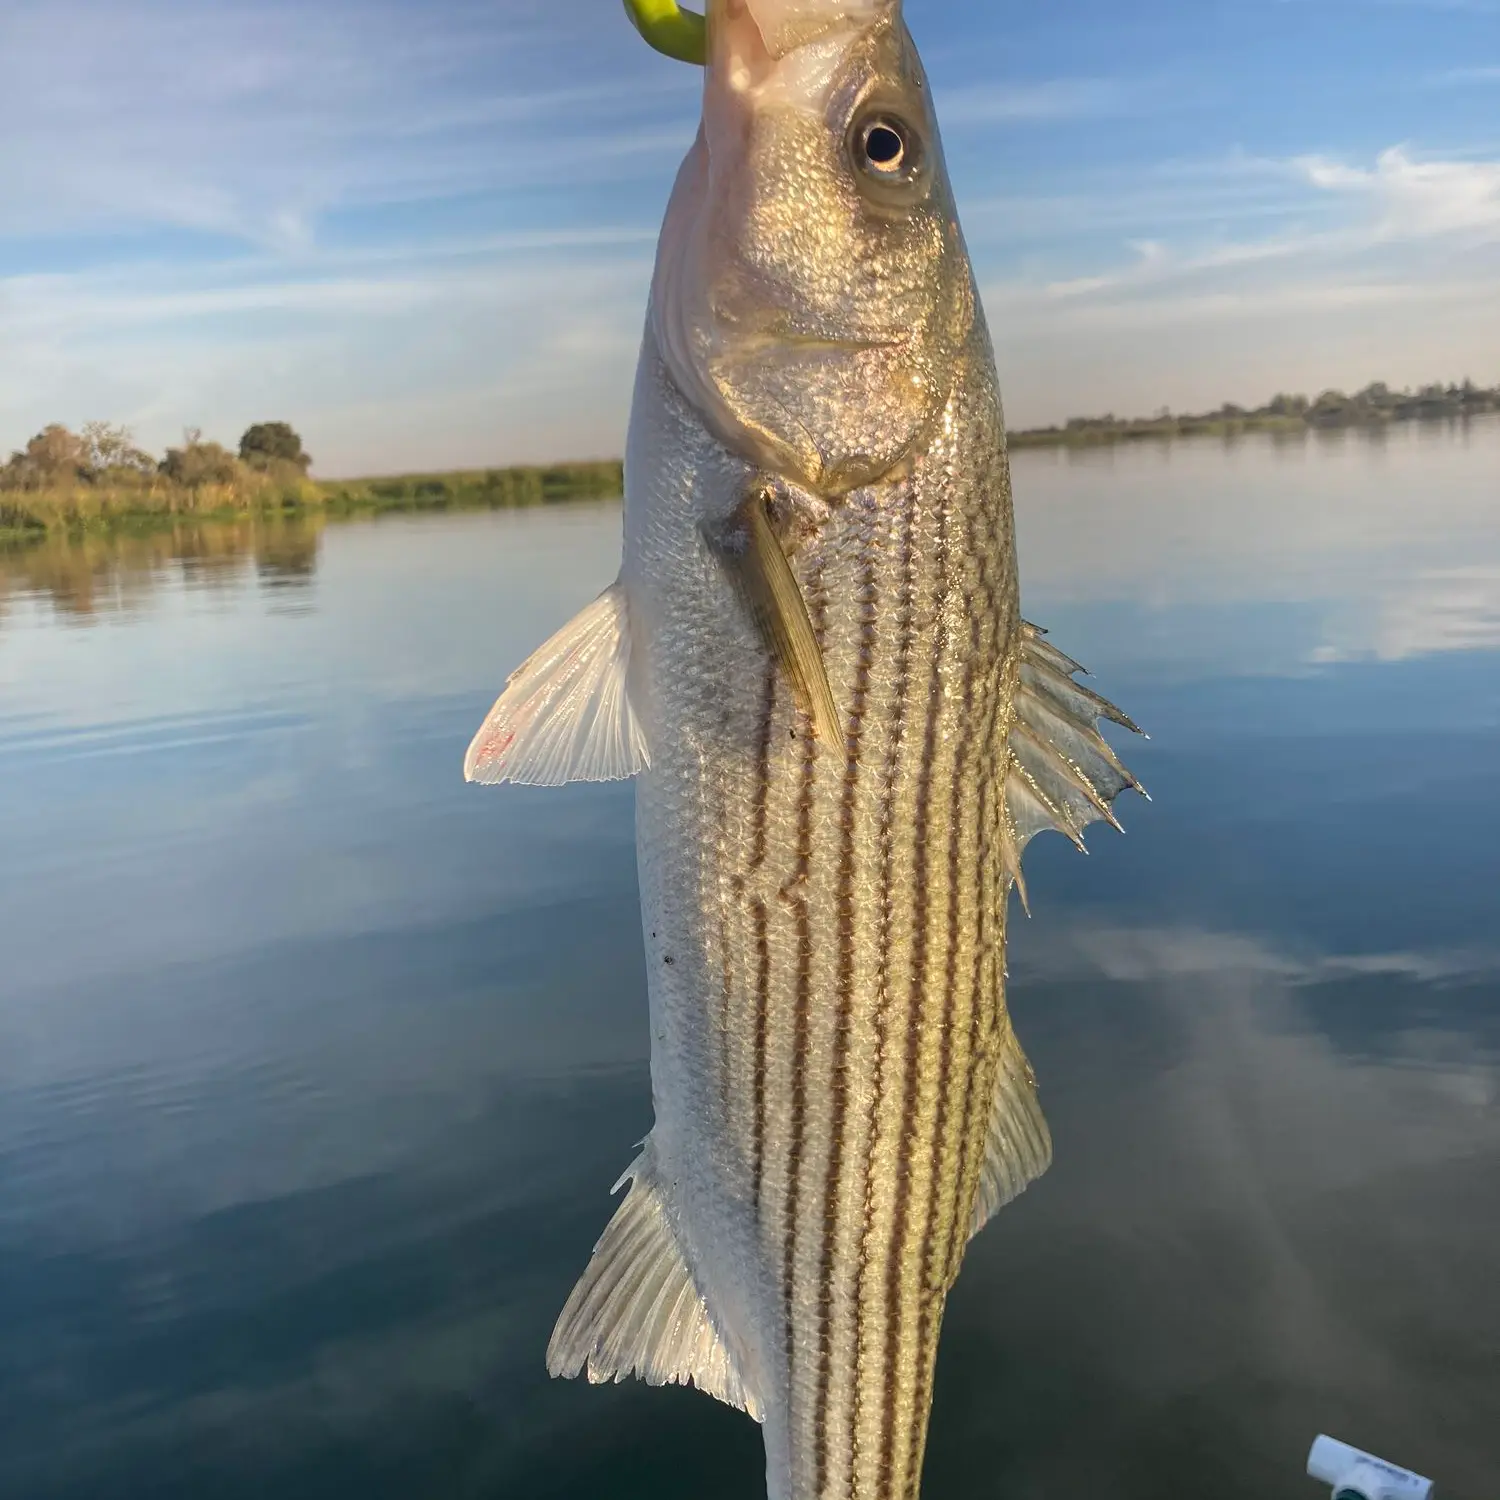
(764, 579)
(566, 713)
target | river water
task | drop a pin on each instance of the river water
(316, 1065)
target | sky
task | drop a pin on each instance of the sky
(422, 230)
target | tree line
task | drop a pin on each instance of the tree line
(105, 456)
(98, 478)
(1373, 406)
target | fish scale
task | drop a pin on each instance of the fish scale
(844, 735)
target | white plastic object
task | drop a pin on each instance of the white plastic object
(1362, 1476)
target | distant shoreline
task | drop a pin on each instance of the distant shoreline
(1375, 406)
(81, 509)
(150, 502)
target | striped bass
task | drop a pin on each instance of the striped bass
(844, 734)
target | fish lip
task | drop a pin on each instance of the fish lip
(757, 335)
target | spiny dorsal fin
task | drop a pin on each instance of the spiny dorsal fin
(637, 1311)
(1018, 1148)
(565, 714)
(1062, 773)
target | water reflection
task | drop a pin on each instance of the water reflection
(316, 1066)
(87, 574)
(1165, 522)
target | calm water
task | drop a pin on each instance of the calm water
(316, 1065)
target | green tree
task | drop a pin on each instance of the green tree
(109, 453)
(197, 463)
(268, 443)
(1330, 409)
(51, 460)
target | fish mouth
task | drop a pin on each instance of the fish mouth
(813, 343)
(755, 33)
(770, 332)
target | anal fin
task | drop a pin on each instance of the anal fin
(1018, 1146)
(637, 1311)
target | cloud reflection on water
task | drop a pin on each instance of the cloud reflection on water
(1262, 1222)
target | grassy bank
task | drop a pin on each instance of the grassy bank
(475, 489)
(155, 502)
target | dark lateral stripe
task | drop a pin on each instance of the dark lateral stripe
(844, 1009)
(932, 1295)
(759, 813)
(760, 806)
(905, 629)
(803, 993)
(730, 1056)
(901, 1225)
(762, 1029)
(726, 1045)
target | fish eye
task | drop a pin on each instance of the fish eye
(885, 148)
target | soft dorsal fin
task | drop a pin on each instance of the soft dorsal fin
(637, 1311)
(1062, 772)
(565, 715)
(1018, 1145)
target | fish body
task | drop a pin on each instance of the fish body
(825, 933)
(844, 734)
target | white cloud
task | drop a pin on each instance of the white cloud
(1418, 199)
(255, 121)
(294, 132)
(482, 356)
(1230, 280)
(1399, 199)
(418, 268)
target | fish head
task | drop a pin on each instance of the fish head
(812, 290)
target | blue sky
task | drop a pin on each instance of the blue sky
(422, 232)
